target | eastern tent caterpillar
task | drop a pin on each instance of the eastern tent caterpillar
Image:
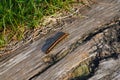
(55, 40)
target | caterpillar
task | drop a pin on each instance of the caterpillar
(58, 38)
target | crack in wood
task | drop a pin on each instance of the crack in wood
(87, 37)
(102, 52)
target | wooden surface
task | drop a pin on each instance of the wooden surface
(30, 62)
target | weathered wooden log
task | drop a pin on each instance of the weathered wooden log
(31, 63)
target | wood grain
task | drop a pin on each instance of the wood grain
(27, 62)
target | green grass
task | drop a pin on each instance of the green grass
(16, 14)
